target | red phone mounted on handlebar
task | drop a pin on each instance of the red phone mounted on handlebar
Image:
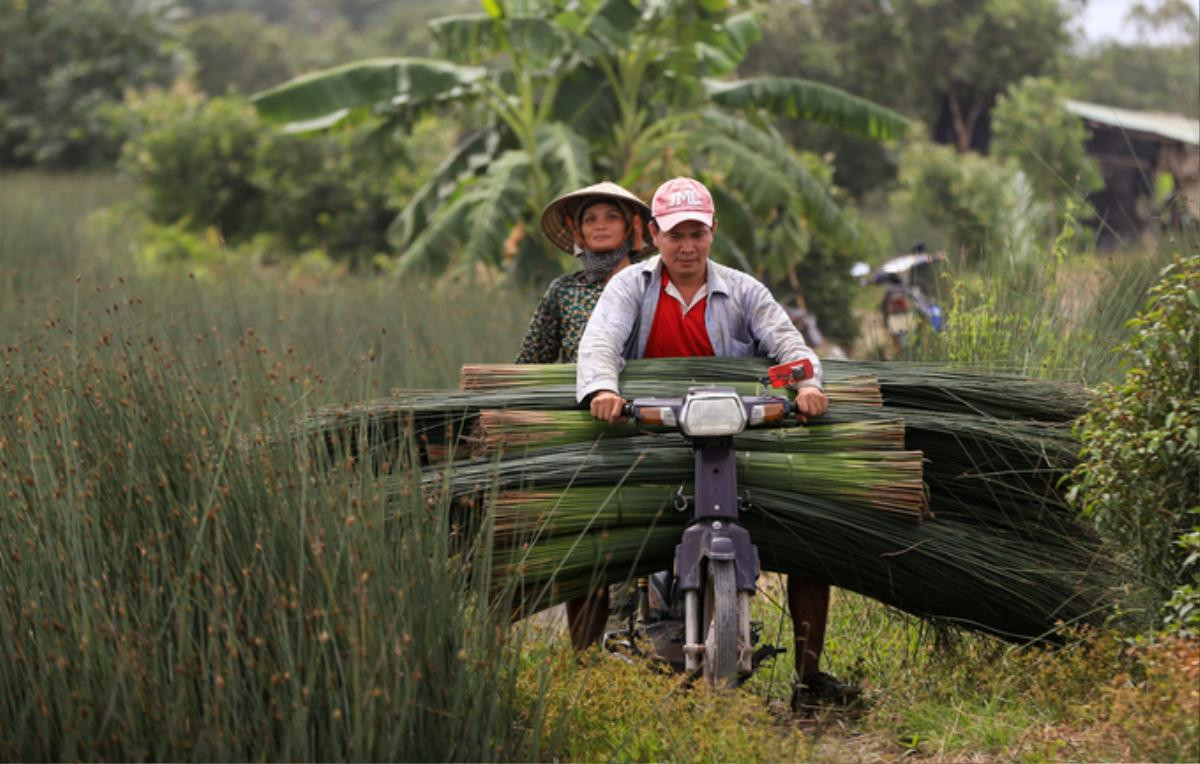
(786, 374)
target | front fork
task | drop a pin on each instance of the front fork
(694, 642)
(715, 535)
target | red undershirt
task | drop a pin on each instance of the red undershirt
(675, 334)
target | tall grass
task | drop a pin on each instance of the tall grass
(355, 336)
(41, 239)
(175, 589)
(1061, 315)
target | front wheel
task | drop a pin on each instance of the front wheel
(721, 610)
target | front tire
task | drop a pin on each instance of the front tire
(721, 610)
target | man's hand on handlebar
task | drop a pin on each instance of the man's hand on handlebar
(809, 402)
(607, 407)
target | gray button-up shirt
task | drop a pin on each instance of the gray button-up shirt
(741, 316)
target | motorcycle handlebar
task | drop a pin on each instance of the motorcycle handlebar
(789, 407)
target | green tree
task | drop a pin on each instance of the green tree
(403, 29)
(1031, 126)
(851, 44)
(238, 51)
(317, 33)
(568, 93)
(272, 10)
(337, 192)
(206, 168)
(65, 64)
(944, 61)
(1138, 76)
(964, 53)
(1166, 16)
(1162, 76)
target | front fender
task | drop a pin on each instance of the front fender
(716, 540)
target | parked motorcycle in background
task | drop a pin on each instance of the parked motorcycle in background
(907, 298)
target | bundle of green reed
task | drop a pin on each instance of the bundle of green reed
(947, 389)
(980, 575)
(663, 377)
(561, 567)
(883, 480)
(576, 502)
(522, 516)
(910, 385)
(1003, 553)
(561, 544)
(513, 428)
(438, 416)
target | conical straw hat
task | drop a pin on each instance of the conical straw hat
(555, 228)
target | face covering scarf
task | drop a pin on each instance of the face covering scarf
(597, 266)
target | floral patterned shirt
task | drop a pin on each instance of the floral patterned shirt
(558, 323)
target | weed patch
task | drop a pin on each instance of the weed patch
(601, 707)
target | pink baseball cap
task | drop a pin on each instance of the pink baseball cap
(681, 199)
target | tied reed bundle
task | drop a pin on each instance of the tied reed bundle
(881, 480)
(976, 457)
(562, 543)
(508, 429)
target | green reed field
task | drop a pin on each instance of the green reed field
(177, 585)
(175, 588)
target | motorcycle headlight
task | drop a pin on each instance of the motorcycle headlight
(708, 414)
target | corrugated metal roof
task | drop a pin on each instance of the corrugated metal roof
(1175, 127)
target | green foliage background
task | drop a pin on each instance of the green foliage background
(332, 199)
(65, 66)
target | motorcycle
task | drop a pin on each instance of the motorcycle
(906, 302)
(698, 614)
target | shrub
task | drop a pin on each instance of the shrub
(208, 163)
(829, 291)
(1181, 615)
(162, 247)
(65, 64)
(1139, 476)
(1031, 127)
(1152, 713)
(329, 192)
(983, 206)
(193, 159)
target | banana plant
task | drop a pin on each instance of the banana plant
(566, 92)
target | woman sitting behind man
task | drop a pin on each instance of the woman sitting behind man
(602, 225)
